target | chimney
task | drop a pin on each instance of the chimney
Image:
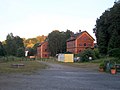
(72, 35)
(79, 31)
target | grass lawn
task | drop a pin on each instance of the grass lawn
(29, 67)
(85, 65)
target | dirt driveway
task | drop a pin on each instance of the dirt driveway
(61, 77)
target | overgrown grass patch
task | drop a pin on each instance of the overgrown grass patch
(29, 67)
(87, 65)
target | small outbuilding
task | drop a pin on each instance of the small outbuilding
(66, 57)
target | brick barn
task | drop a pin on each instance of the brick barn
(79, 42)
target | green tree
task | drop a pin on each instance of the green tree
(67, 36)
(96, 52)
(2, 50)
(31, 52)
(35, 48)
(10, 45)
(20, 52)
(107, 29)
(57, 41)
(13, 43)
(54, 42)
(114, 53)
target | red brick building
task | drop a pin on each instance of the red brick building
(79, 42)
(42, 50)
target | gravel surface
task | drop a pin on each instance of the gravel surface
(60, 77)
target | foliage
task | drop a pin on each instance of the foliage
(20, 52)
(2, 50)
(41, 38)
(114, 52)
(30, 42)
(107, 29)
(84, 56)
(31, 52)
(35, 48)
(57, 41)
(12, 44)
(102, 65)
(97, 54)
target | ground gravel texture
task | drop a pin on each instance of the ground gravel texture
(61, 77)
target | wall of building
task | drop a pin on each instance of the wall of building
(70, 46)
(42, 50)
(81, 43)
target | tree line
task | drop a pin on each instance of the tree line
(16, 46)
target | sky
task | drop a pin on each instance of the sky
(31, 18)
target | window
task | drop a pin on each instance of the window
(84, 44)
(45, 55)
(45, 50)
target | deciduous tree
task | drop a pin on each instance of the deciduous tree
(12, 44)
(57, 41)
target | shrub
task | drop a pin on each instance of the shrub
(102, 65)
(114, 52)
(86, 54)
(97, 54)
(20, 52)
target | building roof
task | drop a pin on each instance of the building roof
(42, 43)
(75, 36)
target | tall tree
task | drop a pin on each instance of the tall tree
(107, 29)
(57, 41)
(13, 43)
(2, 50)
(67, 35)
(30, 42)
(54, 42)
(10, 45)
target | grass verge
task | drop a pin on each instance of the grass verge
(29, 67)
(87, 65)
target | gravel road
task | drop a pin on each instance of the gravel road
(60, 77)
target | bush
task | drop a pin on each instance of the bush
(102, 65)
(97, 54)
(21, 52)
(86, 54)
(114, 52)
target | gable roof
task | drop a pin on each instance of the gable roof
(75, 36)
(42, 43)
